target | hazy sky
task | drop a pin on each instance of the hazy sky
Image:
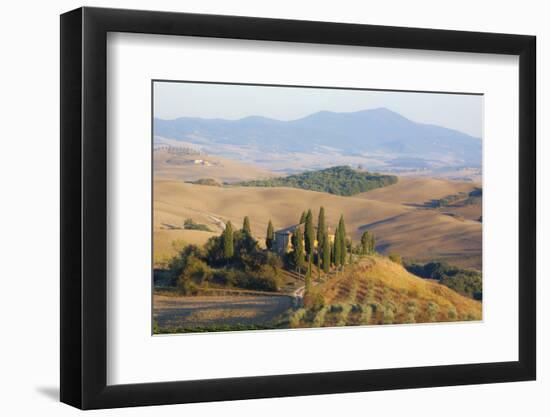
(174, 99)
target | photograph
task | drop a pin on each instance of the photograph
(284, 207)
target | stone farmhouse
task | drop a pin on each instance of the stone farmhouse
(283, 238)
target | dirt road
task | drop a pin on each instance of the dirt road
(204, 311)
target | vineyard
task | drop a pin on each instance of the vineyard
(378, 291)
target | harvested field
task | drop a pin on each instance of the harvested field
(218, 311)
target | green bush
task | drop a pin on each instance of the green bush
(410, 311)
(395, 257)
(432, 309)
(314, 301)
(189, 224)
(451, 313)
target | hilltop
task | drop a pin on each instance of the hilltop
(340, 180)
(379, 291)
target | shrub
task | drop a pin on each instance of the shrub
(366, 316)
(389, 315)
(189, 224)
(395, 257)
(195, 270)
(336, 308)
(296, 317)
(319, 319)
(432, 310)
(314, 301)
(410, 310)
(451, 313)
(356, 308)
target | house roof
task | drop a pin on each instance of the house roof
(289, 229)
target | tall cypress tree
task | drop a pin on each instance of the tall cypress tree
(309, 233)
(342, 239)
(337, 252)
(227, 238)
(321, 228)
(326, 254)
(303, 217)
(246, 226)
(298, 253)
(269, 236)
(365, 243)
(308, 276)
(372, 245)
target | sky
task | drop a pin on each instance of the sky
(225, 101)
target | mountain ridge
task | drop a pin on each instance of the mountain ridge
(377, 131)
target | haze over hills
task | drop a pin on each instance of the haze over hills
(379, 138)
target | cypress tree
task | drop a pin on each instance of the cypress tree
(303, 217)
(246, 226)
(308, 276)
(365, 243)
(326, 254)
(372, 245)
(342, 239)
(227, 238)
(309, 233)
(270, 236)
(337, 252)
(318, 266)
(321, 228)
(298, 249)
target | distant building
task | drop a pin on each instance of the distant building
(283, 238)
(201, 162)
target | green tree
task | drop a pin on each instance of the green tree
(337, 251)
(342, 240)
(303, 217)
(308, 277)
(326, 254)
(309, 234)
(270, 236)
(246, 226)
(227, 237)
(298, 253)
(321, 228)
(395, 257)
(365, 243)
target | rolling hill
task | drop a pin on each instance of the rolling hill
(413, 232)
(379, 291)
(387, 138)
(177, 166)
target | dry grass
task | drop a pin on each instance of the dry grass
(391, 289)
(177, 167)
(412, 232)
(418, 190)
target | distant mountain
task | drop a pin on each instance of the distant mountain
(369, 132)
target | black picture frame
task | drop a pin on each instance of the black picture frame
(84, 207)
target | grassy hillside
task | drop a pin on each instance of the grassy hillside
(340, 180)
(379, 291)
(433, 233)
(418, 191)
